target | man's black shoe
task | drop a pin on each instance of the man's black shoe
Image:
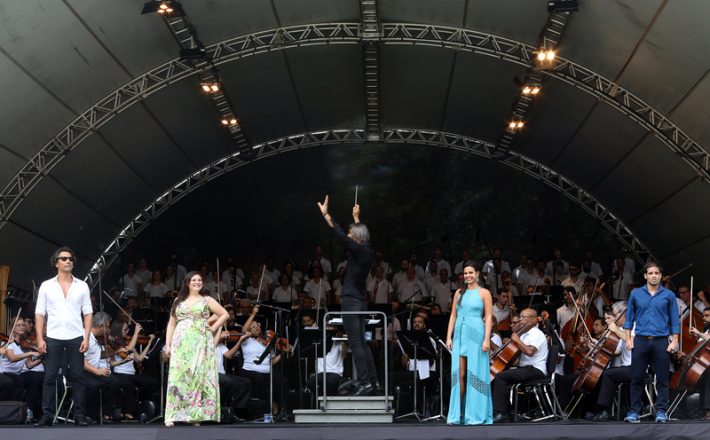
(602, 416)
(347, 387)
(364, 390)
(500, 418)
(45, 420)
(81, 420)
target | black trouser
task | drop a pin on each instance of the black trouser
(11, 386)
(611, 377)
(355, 328)
(501, 402)
(235, 391)
(332, 381)
(260, 382)
(405, 378)
(705, 390)
(61, 353)
(33, 390)
(128, 383)
(109, 391)
(649, 351)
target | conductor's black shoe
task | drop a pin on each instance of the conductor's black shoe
(347, 387)
(45, 420)
(364, 390)
(500, 418)
(81, 420)
(602, 416)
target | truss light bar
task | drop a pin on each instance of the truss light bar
(196, 53)
(516, 125)
(531, 90)
(163, 7)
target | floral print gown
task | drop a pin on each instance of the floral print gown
(193, 383)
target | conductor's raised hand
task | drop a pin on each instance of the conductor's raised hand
(324, 206)
(356, 213)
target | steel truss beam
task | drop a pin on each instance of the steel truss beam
(346, 33)
(370, 33)
(358, 137)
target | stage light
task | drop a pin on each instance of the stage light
(530, 90)
(210, 87)
(550, 55)
(516, 125)
(225, 121)
(229, 122)
(541, 56)
(163, 7)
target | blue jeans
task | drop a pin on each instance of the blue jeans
(649, 352)
(59, 354)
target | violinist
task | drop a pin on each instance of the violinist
(704, 335)
(620, 369)
(235, 391)
(253, 345)
(684, 302)
(32, 372)
(13, 360)
(124, 369)
(532, 366)
(501, 308)
(97, 371)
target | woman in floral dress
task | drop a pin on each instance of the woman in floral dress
(193, 386)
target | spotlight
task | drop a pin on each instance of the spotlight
(516, 125)
(530, 90)
(210, 87)
(163, 7)
(229, 122)
(546, 55)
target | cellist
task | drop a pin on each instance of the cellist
(620, 369)
(705, 380)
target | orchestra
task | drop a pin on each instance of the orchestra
(266, 363)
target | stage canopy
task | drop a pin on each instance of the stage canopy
(100, 119)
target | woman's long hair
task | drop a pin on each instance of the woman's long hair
(185, 290)
(474, 265)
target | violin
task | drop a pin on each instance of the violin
(281, 344)
(142, 339)
(4, 338)
(233, 336)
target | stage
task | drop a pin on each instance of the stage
(529, 431)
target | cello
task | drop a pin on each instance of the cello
(688, 376)
(508, 353)
(597, 360)
(572, 335)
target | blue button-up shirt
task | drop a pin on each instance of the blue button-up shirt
(654, 315)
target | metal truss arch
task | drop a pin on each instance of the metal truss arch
(284, 38)
(359, 136)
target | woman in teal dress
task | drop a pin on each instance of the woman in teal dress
(468, 337)
(193, 385)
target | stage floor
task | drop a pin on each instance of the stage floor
(405, 431)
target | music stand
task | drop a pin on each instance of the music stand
(311, 340)
(417, 346)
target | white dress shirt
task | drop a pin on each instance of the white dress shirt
(64, 316)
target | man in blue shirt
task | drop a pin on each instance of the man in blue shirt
(654, 311)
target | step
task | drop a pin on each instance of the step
(353, 402)
(343, 416)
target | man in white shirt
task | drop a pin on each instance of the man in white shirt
(324, 262)
(623, 280)
(97, 371)
(442, 290)
(532, 366)
(411, 289)
(591, 267)
(400, 276)
(318, 287)
(131, 282)
(574, 279)
(440, 262)
(620, 369)
(378, 288)
(501, 308)
(566, 312)
(458, 269)
(145, 274)
(489, 266)
(64, 303)
(550, 266)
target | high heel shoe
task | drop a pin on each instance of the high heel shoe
(169, 424)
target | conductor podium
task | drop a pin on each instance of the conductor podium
(348, 409)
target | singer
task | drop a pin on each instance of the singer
(471, 402)
(193, 384)
(354, 295)
(64, 304)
